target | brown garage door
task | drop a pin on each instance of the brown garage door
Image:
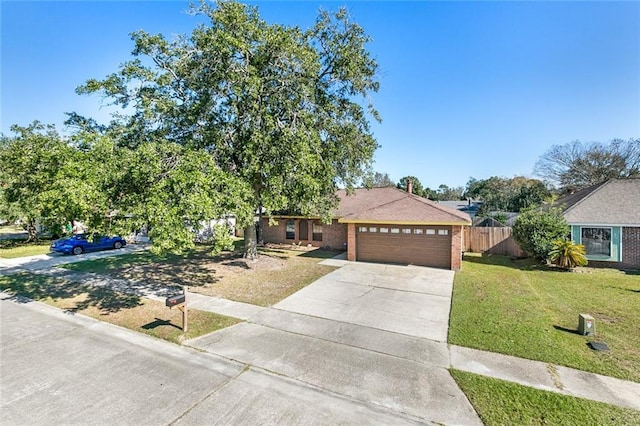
(414, 245)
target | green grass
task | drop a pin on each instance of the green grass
(110, 264)
(10, 249)
(498, 402)
(529, 311)
(130, 311)
(11, 229)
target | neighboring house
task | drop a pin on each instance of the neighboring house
(467, 206)
(381, 225)
(605, 218)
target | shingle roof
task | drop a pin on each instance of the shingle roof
(392, 205)
(615, 202)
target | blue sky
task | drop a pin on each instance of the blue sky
(468, 89)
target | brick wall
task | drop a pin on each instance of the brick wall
(333, 236)
(351, 242)
(631, 248)
(456, 247)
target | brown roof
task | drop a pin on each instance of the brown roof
(615, 202)
(392, 205)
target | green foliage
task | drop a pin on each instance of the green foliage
(567, 254)
(378, 180)
(447, 193)
(503, 194)
(535, 231)
(500, 217)
(278, 109)
(222, 239)
(37, 186)
(417, 189)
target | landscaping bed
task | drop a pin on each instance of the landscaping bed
(126, 310)
(522, 309)
(277, 273)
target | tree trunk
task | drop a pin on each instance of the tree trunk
(260, 239)
(32, 231)
(250, 242)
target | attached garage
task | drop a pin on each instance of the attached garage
(404, 244)
(384, 225)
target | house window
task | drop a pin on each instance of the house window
(597, 241)
(317, 231)
(418, 231)
(291, 229)
(406, 230)
(443, 232)
(431, 232)
(372, 229)
(384, 230)
(395, 230)
(362, 229)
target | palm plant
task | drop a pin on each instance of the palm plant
(567, 254)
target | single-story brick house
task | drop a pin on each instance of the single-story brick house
(381, 225)
(605, 218)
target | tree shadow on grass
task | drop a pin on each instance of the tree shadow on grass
(25, 287)
(107, 300)
(322, 253)
(528, 264)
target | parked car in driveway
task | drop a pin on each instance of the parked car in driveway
(81, 243)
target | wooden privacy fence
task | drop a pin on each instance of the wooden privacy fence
(491, 240)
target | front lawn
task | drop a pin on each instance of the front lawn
(529, 311)
(498, 402)
(126, 310)
(10, 249)
(276, 274)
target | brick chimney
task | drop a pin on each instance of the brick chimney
(409, 186)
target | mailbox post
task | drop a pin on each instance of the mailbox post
(179, 301)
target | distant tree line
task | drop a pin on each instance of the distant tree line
(563, 169)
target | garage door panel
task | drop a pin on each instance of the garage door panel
(416, 249)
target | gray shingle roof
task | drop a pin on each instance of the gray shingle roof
(615, 202)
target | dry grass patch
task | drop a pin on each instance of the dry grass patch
(125, 310)
(278, 272)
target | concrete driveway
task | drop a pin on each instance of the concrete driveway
(371, 333)
(402, 299)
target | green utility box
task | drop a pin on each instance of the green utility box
(586, 325)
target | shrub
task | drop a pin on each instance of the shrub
(567, 254)
(536, 230)
(222, 239)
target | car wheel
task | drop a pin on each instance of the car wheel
(117, 245)
(77, 250)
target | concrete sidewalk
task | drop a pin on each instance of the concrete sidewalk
(291, 341)
(536, 374)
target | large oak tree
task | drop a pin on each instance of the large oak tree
(285, 111)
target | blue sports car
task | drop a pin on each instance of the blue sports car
(81, 243)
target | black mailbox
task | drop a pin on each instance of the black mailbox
(174, 300)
